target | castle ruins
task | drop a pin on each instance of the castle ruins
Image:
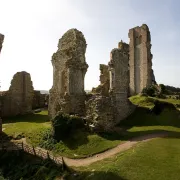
(69, 69)
(140, 59)
(18, 99)
(128, 72)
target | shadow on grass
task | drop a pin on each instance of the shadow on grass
(144, 117)
(21, 165)
(76, 139)
(37, 118)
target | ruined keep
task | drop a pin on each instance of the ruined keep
(127, 73)
(18, 99)
(140, 59)
(69, 68)
(105, 110)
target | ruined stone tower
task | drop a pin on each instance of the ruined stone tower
(18, 100)
(140, 59)
(69, 68)
(1, 41)
(119, 80)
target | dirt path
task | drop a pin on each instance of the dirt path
(120, 148)
(109, 153)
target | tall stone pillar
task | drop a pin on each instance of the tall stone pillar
(69, 68)
(119, 81)
(140, 59)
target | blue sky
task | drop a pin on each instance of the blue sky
(32, 29)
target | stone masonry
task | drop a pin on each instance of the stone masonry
(140, 59)
(1, 41)
(69, 68)
(38, 100)
(18, 100)
(119, 81)
(104, 111)
(103, 88)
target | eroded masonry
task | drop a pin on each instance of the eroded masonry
(1, 41)
(18, 99)
(140, 59)
(69, 69)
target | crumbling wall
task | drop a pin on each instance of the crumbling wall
(100, 113)
(103, 88)
(69, 68)
(119, 82)
(1, 41)
(140, 59)
(38, 100)
(18, 100)
(105, 111)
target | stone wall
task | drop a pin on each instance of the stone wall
(140, 59)
(103, 88)
(69, 68)
(100, 113)
(119, 81)
(105, 110)
(1, 41)
(38, 100)
(18, 100)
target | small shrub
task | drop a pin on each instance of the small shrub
(63, 124)
(150, 91)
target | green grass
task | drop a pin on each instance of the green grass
(148, 102)
(157, 159)
(82, 143)
(23, 126)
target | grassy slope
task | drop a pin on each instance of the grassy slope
(25, 125)
(157, 159)
(80, 144)
(83, 144)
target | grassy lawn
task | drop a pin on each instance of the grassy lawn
(82, 143)
(143, 101)
(23, 126)
(157, 159)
